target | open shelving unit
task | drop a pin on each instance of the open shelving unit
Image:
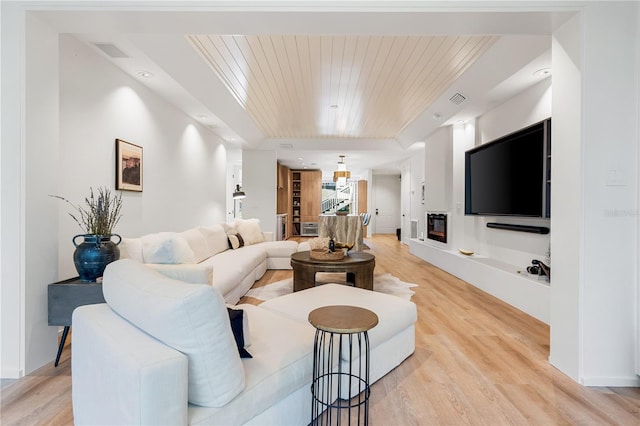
(296, 201)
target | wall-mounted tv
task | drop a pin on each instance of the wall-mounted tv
(511, 175)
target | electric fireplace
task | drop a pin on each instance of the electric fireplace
(437, 227)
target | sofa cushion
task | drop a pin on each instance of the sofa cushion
(250, 231)
(232, 266)
(394, 313)
(216, 238)
(282, 363)
(230, 227)
(166, 247)
(131, 248)
(191, 318)
(279, 248)
(197, 243)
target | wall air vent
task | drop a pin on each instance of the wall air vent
(457, 98)
(111, 50)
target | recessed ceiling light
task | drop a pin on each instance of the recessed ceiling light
(300, 158)
(543, 72)
(145, 74)
(201, 117)
(436, 116)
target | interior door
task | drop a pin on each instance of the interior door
(386, 204)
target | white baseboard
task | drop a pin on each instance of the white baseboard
(9, 373)
(612, 382)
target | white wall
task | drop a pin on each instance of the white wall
(594, 306)
(41, 173)
(234, 177)
(463, 228)
(610, 191)
(12, 181)
(412, 179)
(29, 171)
(75, 105)
(566, 200)
(438, 171)
(516, 248)
(444, 170)
(259, 180)
(184, 164)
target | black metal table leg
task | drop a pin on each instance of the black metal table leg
(64, 338)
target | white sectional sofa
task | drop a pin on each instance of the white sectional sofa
(161, 351)
(203, 255)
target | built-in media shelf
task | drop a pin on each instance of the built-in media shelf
(296, 203)
(509, 283)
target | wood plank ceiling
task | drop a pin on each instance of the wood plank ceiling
(300, 87)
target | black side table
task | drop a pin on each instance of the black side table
(64, 297)
(341, 330)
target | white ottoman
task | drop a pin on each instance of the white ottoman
(391, 341)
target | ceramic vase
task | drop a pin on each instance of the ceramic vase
(93, 254)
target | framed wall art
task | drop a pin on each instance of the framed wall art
(128, 166)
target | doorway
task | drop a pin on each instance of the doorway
(386, 204)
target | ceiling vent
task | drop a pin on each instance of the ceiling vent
(111, 50)
(457, 99)
(286, 146)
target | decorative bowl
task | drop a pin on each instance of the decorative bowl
(325, 254)
(347, 246)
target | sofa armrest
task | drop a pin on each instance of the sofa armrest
(268, 236)
(121, 375)
(194, 273)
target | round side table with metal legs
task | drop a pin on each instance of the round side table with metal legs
(340, 386)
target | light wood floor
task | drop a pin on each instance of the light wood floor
(477, 361)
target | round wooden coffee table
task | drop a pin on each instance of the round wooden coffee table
(358, 266)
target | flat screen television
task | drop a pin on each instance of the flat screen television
(511, 175)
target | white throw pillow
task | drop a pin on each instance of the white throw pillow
(166, 247)
(131, 248)
(191, 318)
(197, 243)
(230, 227)
(216, 238)
(250, 231)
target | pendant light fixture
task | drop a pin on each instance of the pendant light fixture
(342, 174)
(238, 194)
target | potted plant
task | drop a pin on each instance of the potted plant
(97, 218)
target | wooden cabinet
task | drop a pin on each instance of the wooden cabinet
(283, 200)
(283, 197)
(311, 195)
(306, 194)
